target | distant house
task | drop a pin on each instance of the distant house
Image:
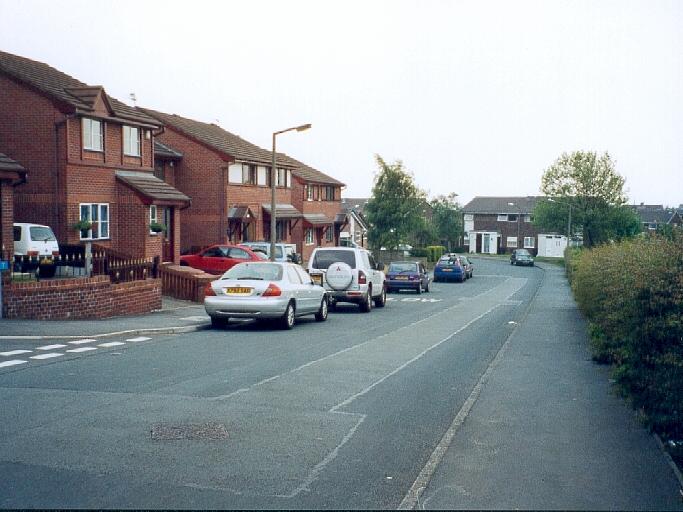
(90, 157)
(357, 228)
(500, 224)
(652, 216)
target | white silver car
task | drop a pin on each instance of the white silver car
(268, 290)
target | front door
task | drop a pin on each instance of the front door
(487, 243)
(168, 243)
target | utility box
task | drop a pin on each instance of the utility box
(551, 245)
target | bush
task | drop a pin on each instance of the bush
(632, 295)
(419, 252)
(435, 252)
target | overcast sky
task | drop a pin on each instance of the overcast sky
(477, 97)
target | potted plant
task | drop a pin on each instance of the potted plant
(155, 227)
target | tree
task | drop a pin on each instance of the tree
(590, 185)
(394, 211)
(447, 220)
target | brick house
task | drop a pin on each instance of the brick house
(91, 158)
(228, 179)
(357, 229)
(318, 197)
(500, 224)
(12, 173)
(652, 216)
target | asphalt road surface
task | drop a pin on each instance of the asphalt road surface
(339, 414)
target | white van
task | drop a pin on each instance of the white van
(35, 247)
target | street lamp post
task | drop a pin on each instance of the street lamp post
(273, 177)
(569, 220)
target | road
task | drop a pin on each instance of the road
(340, 414)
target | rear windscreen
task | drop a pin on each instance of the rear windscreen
(324, 259)
(42, 233)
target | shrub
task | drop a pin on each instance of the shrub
(632, 295)
(435, 252)
(419, 252)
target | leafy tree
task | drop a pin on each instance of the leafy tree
(395, 210)
(447, 220)
(595, 190)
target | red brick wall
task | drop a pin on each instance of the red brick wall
(84, 298)
(489, 222)
(6, 219)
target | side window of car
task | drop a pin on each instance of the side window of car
(212, 252)
(17, 233)
(294, 277)
(366, 260)
(371, 260)
(239, 254)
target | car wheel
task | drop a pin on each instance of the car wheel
(366, 305)
(321, 315)
(218, 322)
(419, 288)
(381, 301)
(287, 320)
(427, 287)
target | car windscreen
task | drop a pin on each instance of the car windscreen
(258, 271)
(42, 233)
(323, 259)
(523, 252)
(403, 267)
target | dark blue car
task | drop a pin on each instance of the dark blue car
(450, 268)
(407, 275)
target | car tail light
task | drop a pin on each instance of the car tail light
(361, 277)
(32, 253)
(208, 291)
(55, 253)
(412, 278)
(272, 291)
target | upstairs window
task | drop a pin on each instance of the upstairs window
(131, 141)
(93, 139)
(502, 217)
(283, 178)
(248, 174)
(309, 192)
(329, 193)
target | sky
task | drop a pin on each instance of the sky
(478, 98)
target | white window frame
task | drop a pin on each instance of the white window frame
(130, 148)
(153, 217)
(511, 241)
(502, 217)
(309, 236)
(85, 212)
(513, 217)
(329, 235)
(529, 242)
(527, 218)
(309, 192)
(468, 216)
(90, 141)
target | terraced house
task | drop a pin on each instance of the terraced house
(90, 158)
(228, 179)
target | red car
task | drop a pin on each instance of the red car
(219, 258)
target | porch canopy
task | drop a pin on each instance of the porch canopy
(242, 213)
(11, 170)
(152, 190)
(317, 219)
(282, 211)
(341, 219)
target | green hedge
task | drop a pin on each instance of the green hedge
(435, 252)
(632, 295)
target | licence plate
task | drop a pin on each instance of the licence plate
(448, 270)
(401, 278)
(317, 279)
(238, 291)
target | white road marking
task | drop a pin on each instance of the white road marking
(13, 362)
(111, 344)
(50, 347)
(82, 349)
(139, 338)
(47, 356)
(81, 342)
(14, 353)
(413, 299)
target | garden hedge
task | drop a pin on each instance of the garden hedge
(632, 295)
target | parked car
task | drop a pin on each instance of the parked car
(283, 252)
(265, 290)
(450, 268)
(467, 264)
(35, 247)
(407, 275)
(219, 258)
(521, 257)
(349, 274)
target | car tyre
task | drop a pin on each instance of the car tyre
(419, 288)
(321, 315)
(366, 305)
(381, 301)
(287, 320)
(427, 287)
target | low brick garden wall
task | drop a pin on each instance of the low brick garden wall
(79, 298)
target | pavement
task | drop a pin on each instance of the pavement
(175, 316)
(543, 428)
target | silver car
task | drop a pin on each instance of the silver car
(268, 290)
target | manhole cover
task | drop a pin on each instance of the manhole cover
(203, 431)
